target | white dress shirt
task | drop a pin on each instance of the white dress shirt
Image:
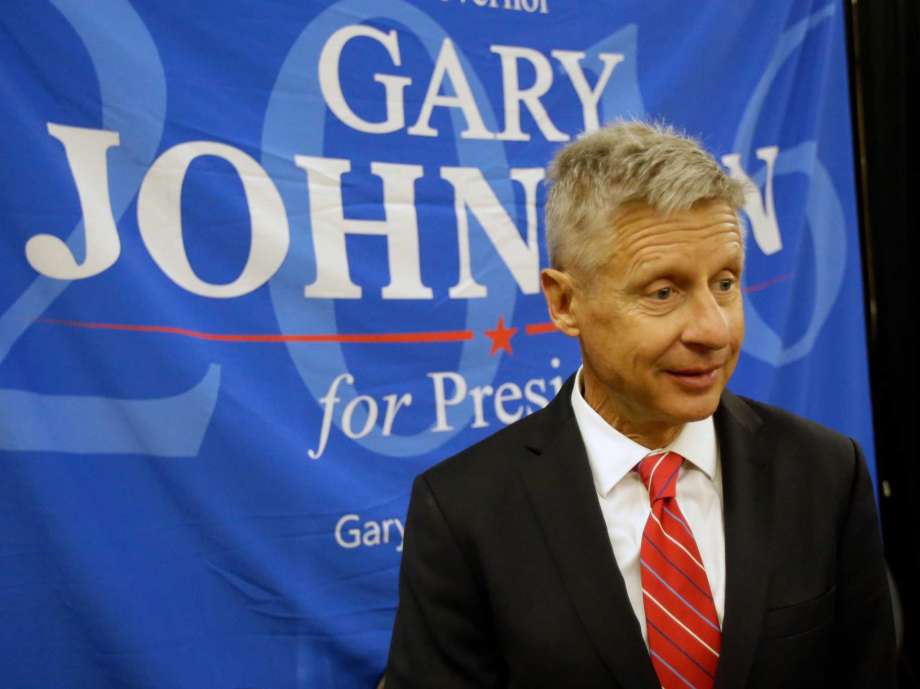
(625, 503)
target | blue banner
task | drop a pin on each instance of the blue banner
(265, 262)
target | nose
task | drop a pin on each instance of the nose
(708, 322)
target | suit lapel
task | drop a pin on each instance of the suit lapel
(747, 504)
(558, 480)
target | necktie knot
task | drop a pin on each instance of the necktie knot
(659, 474)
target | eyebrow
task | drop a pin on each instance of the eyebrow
(651, 270)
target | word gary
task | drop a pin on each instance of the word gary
(351, 532)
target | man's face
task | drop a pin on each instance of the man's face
(661, 323)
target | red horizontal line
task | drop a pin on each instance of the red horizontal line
(540, 328)
(342, 338)
(757, 287)
(358, 338)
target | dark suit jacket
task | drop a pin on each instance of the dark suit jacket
(508, 578)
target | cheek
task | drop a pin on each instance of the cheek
(737, 325)
(661, 337)
(737, 338)
(617, 350)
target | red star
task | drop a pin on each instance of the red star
(501, 336)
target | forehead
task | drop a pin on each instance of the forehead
(644, 237)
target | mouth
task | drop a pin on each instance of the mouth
(696, 378)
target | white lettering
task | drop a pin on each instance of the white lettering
(503, 398)
(354, 535)
(479, 393)
(329, 400)
(448, 65)
(327, 216)
(86, 155)
(393, 86)
(369, 420)
(441, 401)
(394, 404)
(360, 404)
(571, 62)
(386, 532)
(508, 392)
(370, 533)
(534, 397)
(522, 257)
(514, 95)
(159, 218)
(557, 384)
(760, 210)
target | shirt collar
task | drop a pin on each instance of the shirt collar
(612, 455)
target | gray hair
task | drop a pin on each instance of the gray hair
(595, 175)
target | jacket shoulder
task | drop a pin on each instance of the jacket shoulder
(494, 457)
(799, 448)
(801, 430)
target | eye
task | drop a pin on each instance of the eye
(663, 293)
(725, 284)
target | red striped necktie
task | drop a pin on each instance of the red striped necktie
(684, 638)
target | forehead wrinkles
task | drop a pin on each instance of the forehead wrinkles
(646, 240)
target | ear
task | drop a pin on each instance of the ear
(559, 290)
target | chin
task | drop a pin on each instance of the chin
(696, 409)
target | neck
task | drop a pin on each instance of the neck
(645, 432)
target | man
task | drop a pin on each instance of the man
(647, 528)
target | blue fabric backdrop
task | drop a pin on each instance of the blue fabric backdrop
(264, 262)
